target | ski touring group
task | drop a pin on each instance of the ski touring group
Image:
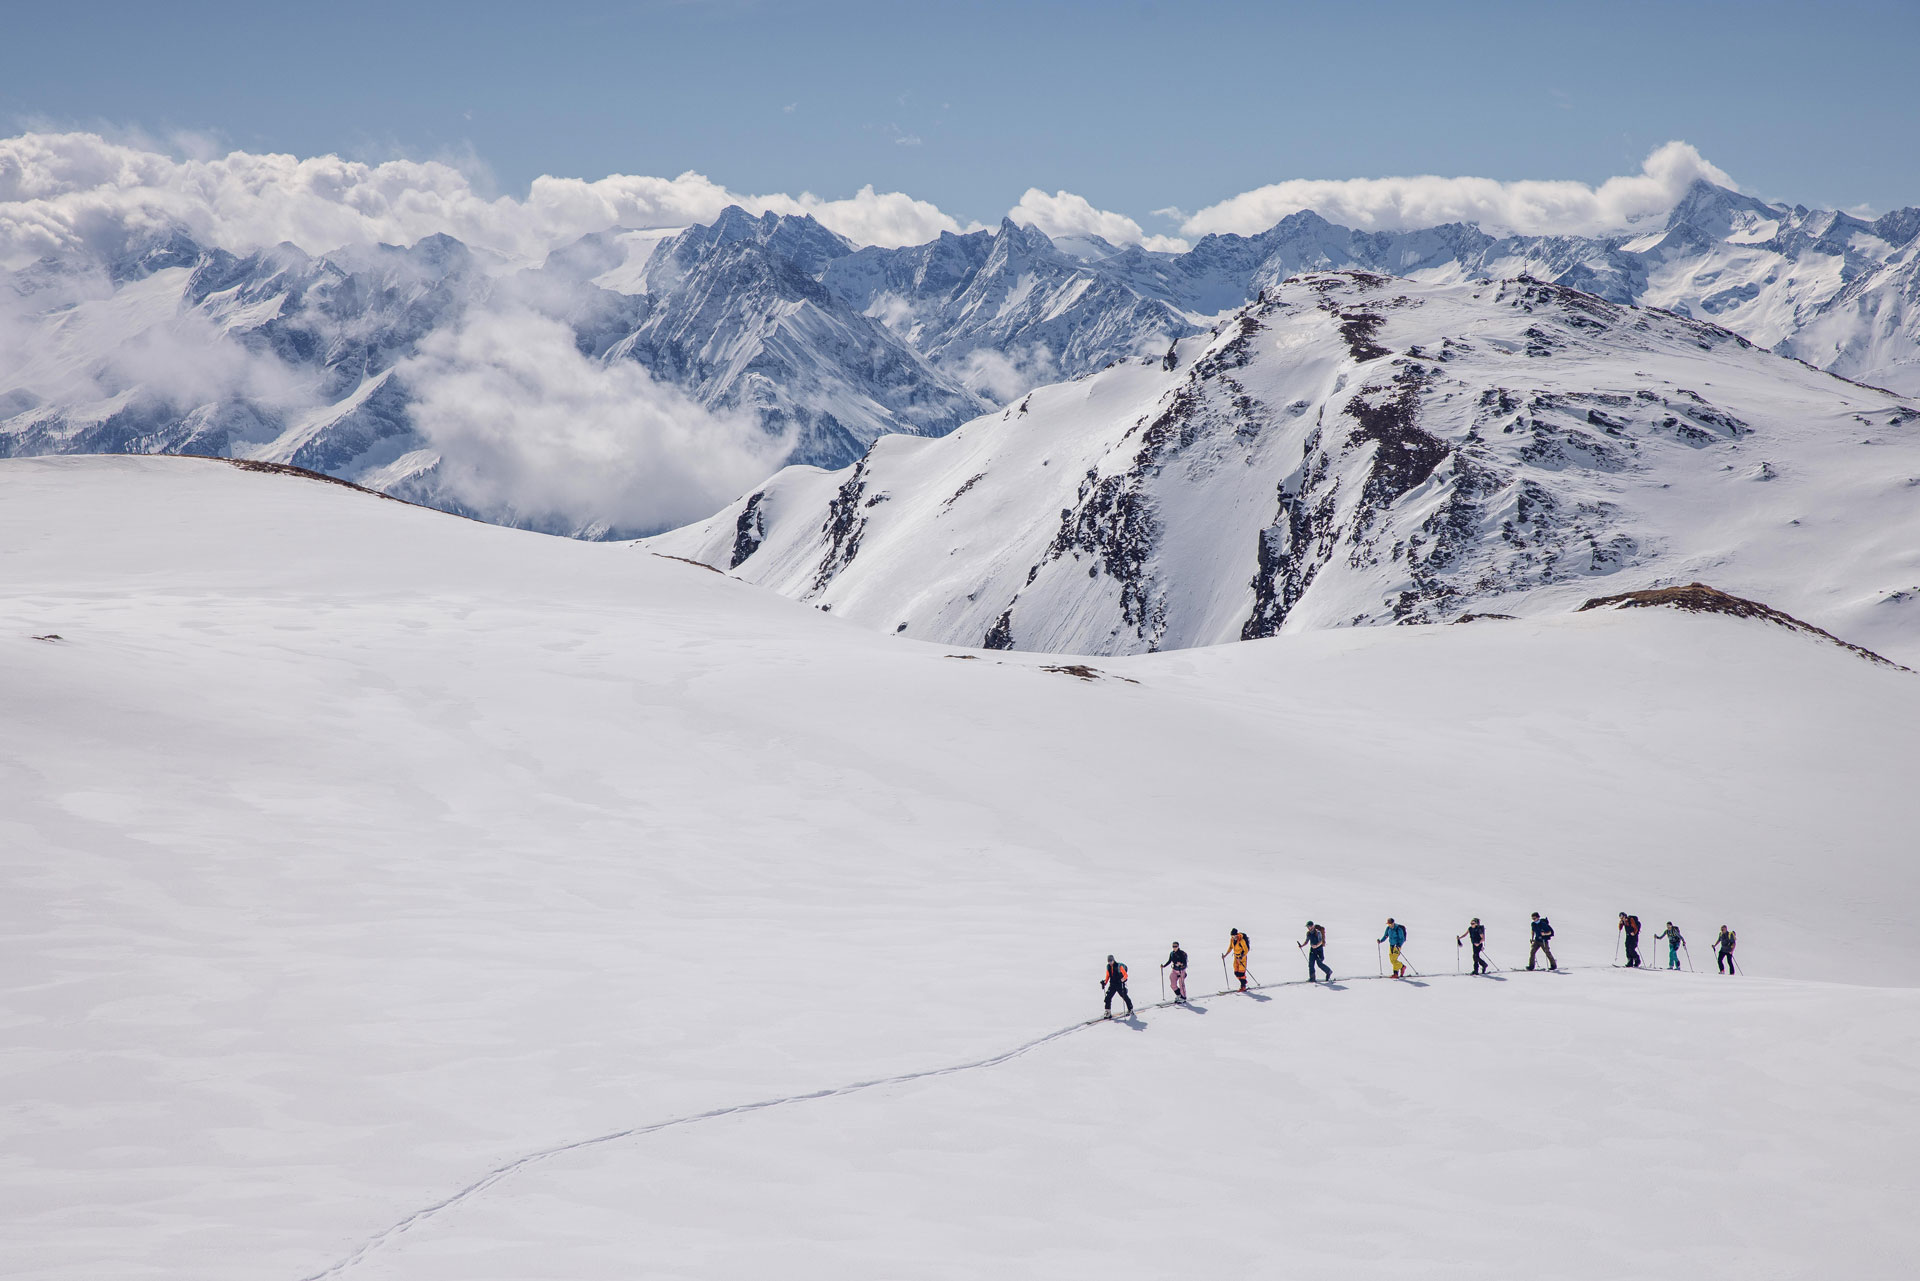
(1394, 938)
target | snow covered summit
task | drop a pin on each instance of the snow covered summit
(1356, 449)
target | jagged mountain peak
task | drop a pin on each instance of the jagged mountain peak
(1355, 449)
(1715, 210)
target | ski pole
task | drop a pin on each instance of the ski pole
(1223, 969)
(1456, 956)
(1163, 983)
(1616, 946)
(1688, 952)
(1379, 966)
(1408, 961)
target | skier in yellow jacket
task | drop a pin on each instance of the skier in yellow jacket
(1238, 947)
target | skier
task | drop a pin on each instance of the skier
(1177, 962)
(1238, 946)
(1542, 938)
(1478, 933)
(1672, 935)
(1631, 926)
(1316, 945)
(1395, 936)
(1723, 948)
(1115, 981)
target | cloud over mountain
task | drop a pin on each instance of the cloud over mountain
(523, 423)
(60, 192)
(63, 192)
(1527, 207)
(1065, 214)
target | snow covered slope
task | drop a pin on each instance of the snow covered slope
(355, 853)
(1360, 450)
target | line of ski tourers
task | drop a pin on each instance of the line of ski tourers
(1314, 947)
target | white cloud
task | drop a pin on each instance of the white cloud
(1526, 207)
(524, 424)
(1003, 376)
(62, 191)
(1065, 214)
(77, 344)
(868, 217)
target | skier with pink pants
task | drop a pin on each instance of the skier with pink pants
(1176, 965)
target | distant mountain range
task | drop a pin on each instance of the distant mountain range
(170, 346)
(1356, 449)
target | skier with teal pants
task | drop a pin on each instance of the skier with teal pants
(1672, 935)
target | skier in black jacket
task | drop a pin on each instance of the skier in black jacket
(1478, 933)
(1723, 950)
(1316, 945)
(1177, 962)
(1542, 937)
(1630, 926)
(1115, 981)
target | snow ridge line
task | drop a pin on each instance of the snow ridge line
(500, 1172)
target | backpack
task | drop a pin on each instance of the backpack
(1544, 929)
(1245, 939)
(1633, 925)
(1122, 967)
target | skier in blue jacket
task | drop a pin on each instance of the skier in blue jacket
(1394, 938)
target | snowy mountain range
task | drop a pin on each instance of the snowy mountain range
(1359, 449)
(778, 328)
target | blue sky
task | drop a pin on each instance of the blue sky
(1135, 105)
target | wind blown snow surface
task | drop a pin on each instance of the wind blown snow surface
(357, 854)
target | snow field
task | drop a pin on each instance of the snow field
(1591, 1125)
(355, 851)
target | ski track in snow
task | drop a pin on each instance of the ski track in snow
(500, 1172)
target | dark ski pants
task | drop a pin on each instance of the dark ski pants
(1539, 946)
(1633, 950)
(1317, 956)
(1119, 990)
(1726, 963)
(1479, 961)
